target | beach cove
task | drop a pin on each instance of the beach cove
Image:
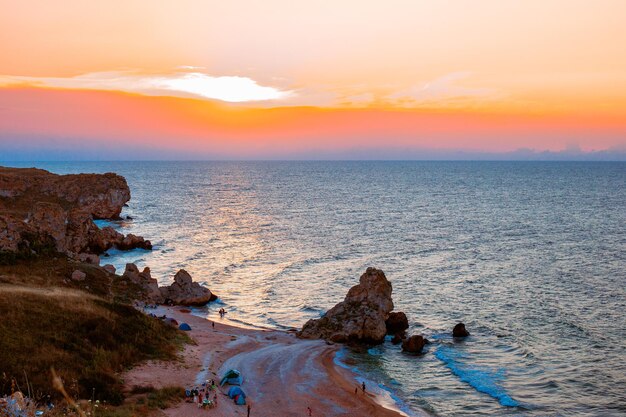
(282, 375)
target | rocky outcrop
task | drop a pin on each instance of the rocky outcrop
(184, 291)
(41, 211)
(460, 331)
(131, 242)
(143, 279)
(360, 318)
(414, 344)
(397, 323)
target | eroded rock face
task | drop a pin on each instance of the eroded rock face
(149, 285)
(360, 318)
(414, 344)
(40, 210)
(184, 291)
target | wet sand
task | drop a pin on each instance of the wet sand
(282, 374)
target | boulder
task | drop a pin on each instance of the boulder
(109, 268)
(143, 279)
(396, 323)
(78, 275)
(413, 344)
(360, 318)
(184, 291)
(460, 331)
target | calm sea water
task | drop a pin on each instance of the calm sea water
(531, 256)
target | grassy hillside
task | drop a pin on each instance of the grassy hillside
(85, 330)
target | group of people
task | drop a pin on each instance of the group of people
(222, 312)
(202, 396)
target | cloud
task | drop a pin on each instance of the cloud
(234, 89)
(442, 89)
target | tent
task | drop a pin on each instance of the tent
(237, 394)
(184, 326)
(171, 322)
(232, 377)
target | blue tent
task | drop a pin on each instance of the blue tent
(184, 326)
(232, 377)
(237, 394)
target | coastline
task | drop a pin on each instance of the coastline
(283, 375)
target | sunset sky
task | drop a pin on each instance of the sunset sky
(322, 79)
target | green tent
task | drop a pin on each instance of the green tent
(232, 377)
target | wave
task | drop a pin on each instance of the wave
(482, 380)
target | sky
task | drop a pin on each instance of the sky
(203, 79)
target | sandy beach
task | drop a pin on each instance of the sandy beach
(282, 374)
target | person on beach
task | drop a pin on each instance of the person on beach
(200, 399)
(363, 386)
(308, 409)
(248, 410)
(213, 325)
(356, 390)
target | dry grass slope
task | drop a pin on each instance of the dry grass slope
(84, 330)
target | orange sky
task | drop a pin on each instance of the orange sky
(260, 78)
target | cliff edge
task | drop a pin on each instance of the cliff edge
(41, 211)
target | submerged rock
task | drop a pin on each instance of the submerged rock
(184, 291)
(414, 344)
(460, 331)
(360, 318)
(397, 339)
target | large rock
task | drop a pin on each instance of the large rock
(184, 291)
(41, 211)
(414, 344)
(397, 323)
(143, 279)
(360, 318)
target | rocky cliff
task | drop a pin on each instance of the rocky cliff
(40, 211)
(360, 318)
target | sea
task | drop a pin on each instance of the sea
(531, 256)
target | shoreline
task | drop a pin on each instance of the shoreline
(282, 374)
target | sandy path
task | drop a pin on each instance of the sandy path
(282, 375)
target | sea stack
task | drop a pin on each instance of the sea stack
(360, 318)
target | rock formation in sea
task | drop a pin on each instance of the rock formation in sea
(413, 344)
(360, 318)
(460, 331)
(41, 211)
(397, 324)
